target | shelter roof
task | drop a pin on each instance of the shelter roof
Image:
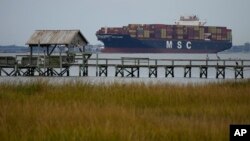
(56, 37)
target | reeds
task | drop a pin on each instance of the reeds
(122, 112)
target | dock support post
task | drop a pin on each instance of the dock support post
(67, 71)
(32, 71)
(50, 72)
(169, 70)
(97, 64)
(138, 71)
(103, 69)
(239, 72)
(85, 71)
(131, 70)
(152, 71)
(203, 71)
(220, 71)
(80, 74)
(187, 71)
(119, 70)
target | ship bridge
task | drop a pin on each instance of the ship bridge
(190, 20)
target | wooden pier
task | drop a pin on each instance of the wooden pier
(123, 67)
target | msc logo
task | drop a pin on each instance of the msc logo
(179, 44)
(239, 132)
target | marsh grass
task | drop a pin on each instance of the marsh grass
(122, 112)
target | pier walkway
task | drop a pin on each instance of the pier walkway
(22, 65)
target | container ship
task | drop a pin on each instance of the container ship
(187, 35)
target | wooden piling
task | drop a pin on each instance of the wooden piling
(153, 71)
(220, 71)
(169, 70)
(103, 70)
(119, 70)
(187, 71)
(203, 72)
(239, 73)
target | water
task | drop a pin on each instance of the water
(178, 79)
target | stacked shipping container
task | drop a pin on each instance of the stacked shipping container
(113, 30)
(179, 32)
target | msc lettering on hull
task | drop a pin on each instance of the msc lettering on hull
(179, 44)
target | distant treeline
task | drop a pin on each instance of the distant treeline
(240, 48)
(13, 49)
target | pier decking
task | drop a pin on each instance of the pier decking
(21, 65)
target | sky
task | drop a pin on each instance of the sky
(20, 18)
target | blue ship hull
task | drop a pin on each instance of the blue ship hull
(115, 43)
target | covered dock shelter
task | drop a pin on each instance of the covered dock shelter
(56, 38)
(50, 40)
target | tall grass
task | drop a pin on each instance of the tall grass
(122, 112)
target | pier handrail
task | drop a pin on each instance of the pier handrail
(148, 61)
(134, 60)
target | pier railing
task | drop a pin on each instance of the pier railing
(60, 65)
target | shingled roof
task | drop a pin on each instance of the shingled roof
(57, 37)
